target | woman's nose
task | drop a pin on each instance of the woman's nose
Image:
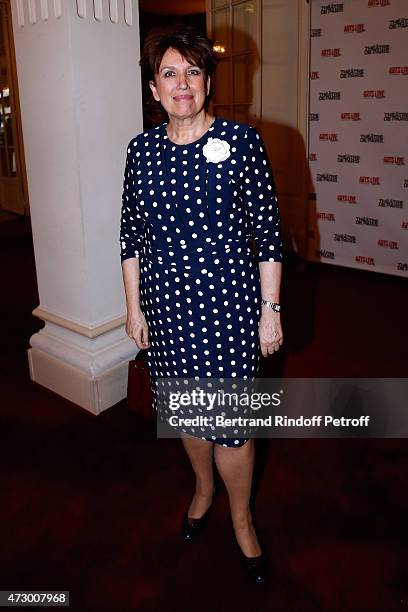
(182, 82)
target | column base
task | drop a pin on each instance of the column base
(91, 373)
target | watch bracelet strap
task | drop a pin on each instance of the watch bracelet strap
(274, 305)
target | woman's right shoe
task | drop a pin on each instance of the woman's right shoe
(190, 527)
(255, 567)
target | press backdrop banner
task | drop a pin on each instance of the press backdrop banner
(358, 145)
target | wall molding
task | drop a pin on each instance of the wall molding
(27, 10)
(98, 13)
(89, 331)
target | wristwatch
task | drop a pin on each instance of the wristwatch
(274, 305)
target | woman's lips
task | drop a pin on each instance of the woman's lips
(183, 97)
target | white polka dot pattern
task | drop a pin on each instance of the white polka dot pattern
(190, 222)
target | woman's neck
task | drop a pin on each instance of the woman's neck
(184, 131)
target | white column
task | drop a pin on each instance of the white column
(80, 94)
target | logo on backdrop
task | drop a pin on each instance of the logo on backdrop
(372, 138)
(369, 180)
(355, 28)
(398, 70)
(371, 93)
(363, 259)
(395, 161)
(351, 73)
(329, 137)
(331, 52)
(370, 49)
(331, 8)
(395, 116)
(348, 159)
(367, 221)
(327, 178)
(345, 238)
(402, 22)
(388, 244)
(330, 95)
(387, 202)
(351, 199)
(325, 216)
(372, 3)
(350, 117)
(322, 253)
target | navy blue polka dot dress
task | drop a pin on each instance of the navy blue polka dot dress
(188, 214)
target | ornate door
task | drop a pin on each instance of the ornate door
(13, 190)
(235, 28)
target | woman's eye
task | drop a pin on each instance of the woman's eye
(193, 72)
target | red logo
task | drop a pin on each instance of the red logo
(350, 116)
(404, 225)
(355, 27)
(366, 260)
(372, 3)
(396, 161)
(331, 52)
(314, 76)
(398, 70)
(372, 93)
(326, 216)
(370, 180)
(351, 199)
(388, 244)
(329, 137)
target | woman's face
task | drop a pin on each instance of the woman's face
(179, 86)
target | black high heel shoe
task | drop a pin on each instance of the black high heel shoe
(190, 527)
(255, 567)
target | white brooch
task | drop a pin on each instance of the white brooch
(216, 150)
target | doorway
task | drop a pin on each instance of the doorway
(13, 180)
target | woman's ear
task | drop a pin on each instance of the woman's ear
(152, 86)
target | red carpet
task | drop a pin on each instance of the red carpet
(93, 504)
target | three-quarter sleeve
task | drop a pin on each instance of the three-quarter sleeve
(261, 199)
(131, 223)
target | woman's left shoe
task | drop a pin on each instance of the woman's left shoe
(255, 567)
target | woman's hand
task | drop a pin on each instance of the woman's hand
(270, 331)
(136, 328)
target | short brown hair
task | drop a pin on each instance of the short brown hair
(194, 46)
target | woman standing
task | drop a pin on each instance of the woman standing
(195, 189)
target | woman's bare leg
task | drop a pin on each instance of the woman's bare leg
(235, 466)
(200, 453)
